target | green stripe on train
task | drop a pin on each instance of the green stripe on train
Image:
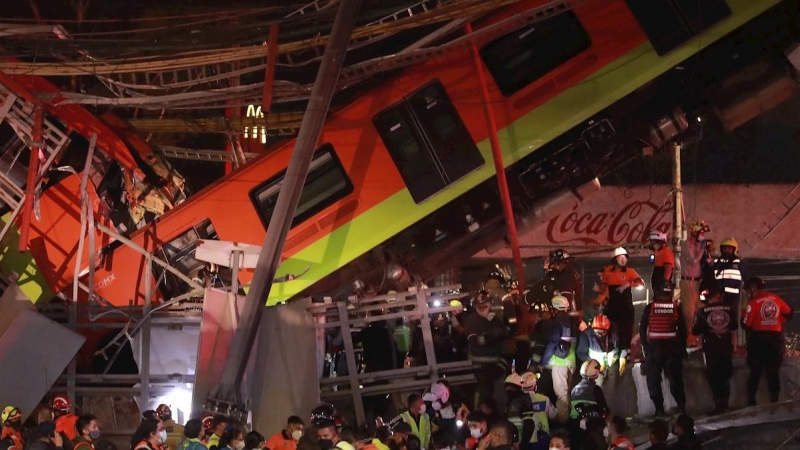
(530, 132)
(30, 281)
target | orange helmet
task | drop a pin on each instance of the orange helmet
(601, 322)
(61, 403)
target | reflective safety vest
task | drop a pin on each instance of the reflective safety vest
(423, 431)
(728, 274)
(584, 403)
(663, 321)
(542, 411)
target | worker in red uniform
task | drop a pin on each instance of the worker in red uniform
(11, 438)
(615, 285)
(763, 319)
(663, 334)
(664, 258)
(65, 419)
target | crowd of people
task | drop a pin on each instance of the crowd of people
(556, 361)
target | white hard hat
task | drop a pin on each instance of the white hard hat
(560, 303)
(529, 380)
(619, 251)
(590, 369)
(658, 235)
(514, 379)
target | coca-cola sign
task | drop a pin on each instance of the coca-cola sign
(629, 223)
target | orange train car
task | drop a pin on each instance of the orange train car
(403, 178)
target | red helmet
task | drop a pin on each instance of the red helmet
(207, 420)
(61, 403)
(601, 322)
(163, 411)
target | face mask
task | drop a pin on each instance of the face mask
(422, 409)
(94, 434)
(162, 435)
(297, 434)
(326, 444)
(239, 446)
(436, 405)
(475, 432)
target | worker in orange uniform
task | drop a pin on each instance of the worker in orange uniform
(12, 429)
(288, 437)
(615, 285)
(65, 419)
(664, 258)
(693, 256)
(764, 318)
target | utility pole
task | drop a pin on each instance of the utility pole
(228, 398)
(677, 219)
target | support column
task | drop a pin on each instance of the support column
(352, 369)
(502, 183)
(427, 335)
(229, 391)
(269, 74)
(677, 219)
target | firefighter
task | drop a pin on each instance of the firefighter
(763, 319)
(519, 410)
(485, 333)
(65, 419)
(566, 281)
(601, 343)
(730, 271)
(559, 356)
(693, 255)
(663, 335)
(588, 401)
(11, 438)
(174, 430)
(543, 410)
(615, 286)
(664, 258)
(715, 322)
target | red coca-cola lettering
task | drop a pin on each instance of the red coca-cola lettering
(628, 224)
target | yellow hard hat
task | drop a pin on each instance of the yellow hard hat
(730, 242)
(456, 303)
(10, 413)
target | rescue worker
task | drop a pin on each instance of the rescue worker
(11, 438)
(65, 420)
(174, 430)
(601, 343)
(730, 271)
(763, 319)
(715, 322)
(618, 434)
(218, 425)
(88, 432)
(664, 258)
(663, 335)
(693, 254)
(588, 401)
(615, 285)
(543, 409)
(329, 436)
(287, 438)
(566, 281)
(419, 421)
(519, 411)
(559, 355)
(485, 333)
(194, 436)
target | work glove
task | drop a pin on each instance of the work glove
(623, 364)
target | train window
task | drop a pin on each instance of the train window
(326, 183)
(428, 141)
(179, 253)
(522, 57)
(670, 23)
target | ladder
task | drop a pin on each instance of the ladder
(18, 113)
(202, 155)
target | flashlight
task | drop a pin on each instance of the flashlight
(459, 423)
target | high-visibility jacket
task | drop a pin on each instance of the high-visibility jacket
(543, 411)
(421, 430)
(213, 441)
(560, 351)
(80, 443)
(192, 444)
(662, 321)
(604, 350)
(588, 401)
(766, 312)
(729, 273)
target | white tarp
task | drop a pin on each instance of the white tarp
(762, 217)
